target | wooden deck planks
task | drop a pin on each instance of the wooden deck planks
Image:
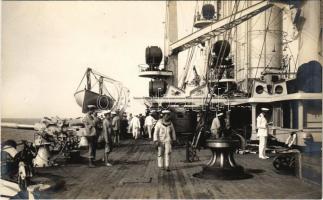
(137, 160)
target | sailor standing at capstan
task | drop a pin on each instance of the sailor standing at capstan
(164, 135)
(216, 126)
(262, 132)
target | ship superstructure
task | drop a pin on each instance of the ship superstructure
(251, 54)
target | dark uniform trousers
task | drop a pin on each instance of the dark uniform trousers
(116, 137)
(93, 141)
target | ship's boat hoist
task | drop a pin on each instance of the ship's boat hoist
(103, 92)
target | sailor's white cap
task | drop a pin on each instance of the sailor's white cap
(165, 111)
(264, 109)
(106, 112)
(219, 114)
(91, 106)
(113, 113)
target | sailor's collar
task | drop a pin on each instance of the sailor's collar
(165, 123)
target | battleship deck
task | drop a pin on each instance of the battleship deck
(134, 174)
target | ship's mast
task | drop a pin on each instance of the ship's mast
(88, 79)
(171, 36)
(310, 33)
(101, 85)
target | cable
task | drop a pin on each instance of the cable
(78, 87)
(236, 6)
(190, 54)
(262, 48)
(221, 57)
(104, 76)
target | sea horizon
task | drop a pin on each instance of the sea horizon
(22, 120)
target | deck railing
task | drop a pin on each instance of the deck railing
(145, 68)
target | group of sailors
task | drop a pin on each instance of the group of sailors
(109, 127)
(159, 128)
(142, 126)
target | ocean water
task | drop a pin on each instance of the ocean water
(31, 121)
(18, 134)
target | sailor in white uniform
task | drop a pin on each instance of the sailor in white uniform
(149, 123)
(164, 135)
(262, 133)
(216, 125)
(135, 126)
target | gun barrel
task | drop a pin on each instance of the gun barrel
(18, 126)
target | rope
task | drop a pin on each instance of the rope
(188, 63)
(78, 87)
(97, 80)
(117, 84)
(190, 54)
(236, 6)
(104, 76)
(106, 90)
(292, 56)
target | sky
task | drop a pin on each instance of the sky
(47, 46)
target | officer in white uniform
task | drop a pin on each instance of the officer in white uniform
(262, 133)
(216, 125)
(164, 135)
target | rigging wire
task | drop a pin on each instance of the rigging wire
(190, 55)
(78, 87)
(104, 87)
(262, 48)
(240, 57)
(294, 60)
(225, 35)
(236, 6)
(107, 91)
(233, 14)
(244, 35)
(104, 76)
(228, 36)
